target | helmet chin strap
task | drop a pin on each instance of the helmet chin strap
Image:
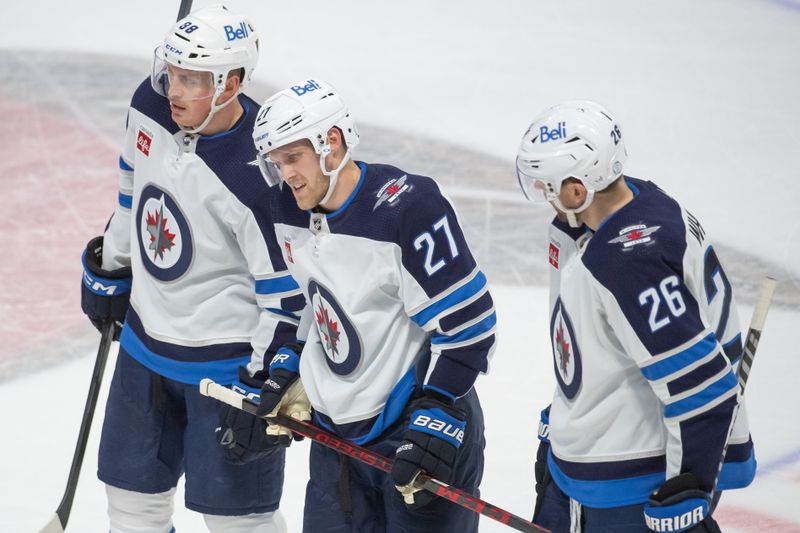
(572, 219)
(212, 111)
(333, 174)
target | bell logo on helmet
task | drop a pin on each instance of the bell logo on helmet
(238, 33)
(559, 132)
(310, 85)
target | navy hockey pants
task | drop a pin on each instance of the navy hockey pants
(555, 516)
(157, 429)
(344, 495)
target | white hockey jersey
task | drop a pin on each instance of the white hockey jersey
(185, 225)
(644, 333)
(396, 298)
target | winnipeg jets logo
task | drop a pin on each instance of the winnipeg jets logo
(329, 332)
(632, 235)
(567, 361)
(165, 239)
(338, 338)
(161, 239)
(391, 191)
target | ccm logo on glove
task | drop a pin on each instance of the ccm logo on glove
(439, 426)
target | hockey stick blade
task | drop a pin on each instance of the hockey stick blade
(58, 522)
(443, 490)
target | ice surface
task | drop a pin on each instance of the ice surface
(706, 93)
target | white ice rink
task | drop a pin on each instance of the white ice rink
(706, 91)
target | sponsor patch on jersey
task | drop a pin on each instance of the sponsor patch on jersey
(144, 140)
(630, 236)
(165, 240)
(391, 191)
(566, 355)
(337, 336)
(287, 245)
(553, 253)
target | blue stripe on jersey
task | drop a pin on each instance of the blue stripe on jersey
(276, 285)
(125, 200)
(223, 372)
(736, 475)
(680, 360)
(606, 493)
(364, 431)
(600, 491)
(705, 396)
(192, 354)
(464, 292)
(468, 313)
(124, 166)
(698, 375)
(471, 332)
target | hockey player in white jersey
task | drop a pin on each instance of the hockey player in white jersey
(184, 231)
(645, 334)
(401, 320)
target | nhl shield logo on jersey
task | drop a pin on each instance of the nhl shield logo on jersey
(165, 240)
(339, 339)
(630, 236)
(566, 355)
(392, 190)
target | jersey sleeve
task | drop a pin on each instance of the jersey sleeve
(117, 237)
(661, 325)
(445, 293)
(277, 294)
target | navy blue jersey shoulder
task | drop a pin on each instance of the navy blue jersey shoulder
(150, 103)
(231, 155)
(637, 254)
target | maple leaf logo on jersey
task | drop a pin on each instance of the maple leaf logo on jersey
(329, 330)
(563, 348)
(161, 239)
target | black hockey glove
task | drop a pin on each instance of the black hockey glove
(540, 470)
(104, 293)
(430, 444)
(680, 505)
(283, 391)
(242, 436)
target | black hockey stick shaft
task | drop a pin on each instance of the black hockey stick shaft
(763, 301)
(59, 522)
(443, 490)
(186, 7)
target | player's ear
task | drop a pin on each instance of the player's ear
(336, 140)
(231, 86)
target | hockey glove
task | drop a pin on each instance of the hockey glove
(242, 436)
(680, 505)
(430, 444)
(540, 470)
(104, 293)
(283, 391)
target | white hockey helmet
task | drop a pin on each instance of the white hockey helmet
(211, 42)
(575, 139)
(305, 110)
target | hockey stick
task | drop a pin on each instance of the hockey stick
(455, 495)
(746, 364)
(59, 520)
(186, 6)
